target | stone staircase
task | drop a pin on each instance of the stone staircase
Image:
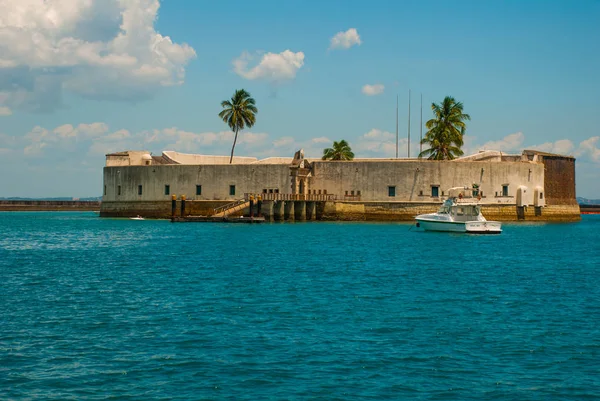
(230, 208)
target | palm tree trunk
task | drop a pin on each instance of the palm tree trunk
(233, 147)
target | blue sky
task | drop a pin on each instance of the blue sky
(78, 81)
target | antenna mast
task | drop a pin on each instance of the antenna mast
(421, 141)
(409, 123)
(396, 126)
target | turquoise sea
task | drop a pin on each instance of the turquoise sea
(115, 309)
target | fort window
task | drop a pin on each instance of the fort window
(198, 189)
(277, 190)
(391, 191)
(139, 189)
(271, 190)
(541, 195)
(435, 191)
(352, 193)
(105, 190)
(346, 193)
(119, 190)
(358, 193)
(232, 190)
(505, 190)
(264, 191)
(319, 192)
(325, 192)
(167, 189)
(420, 193)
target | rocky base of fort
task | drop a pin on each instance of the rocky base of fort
(339, 211)
(403, 211)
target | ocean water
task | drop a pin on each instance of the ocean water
(115, 309)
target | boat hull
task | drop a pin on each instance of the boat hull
(469, 227)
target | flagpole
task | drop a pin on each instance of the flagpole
(409, 123)
(396, 126)
(420, 142)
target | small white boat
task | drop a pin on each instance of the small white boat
(459, 215)
(138, 217)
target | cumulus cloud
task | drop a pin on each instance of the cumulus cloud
(97, 139)
(562, 147)
(272, 67)
(589, 150)
(286, 146)
(376, 143)
(96, 48)
(345, 40)
(372, 90)
(509, 143)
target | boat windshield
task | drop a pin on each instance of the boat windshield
(444, 210)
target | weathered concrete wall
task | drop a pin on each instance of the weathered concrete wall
(182, 180)
(414, 179)
(128, 158)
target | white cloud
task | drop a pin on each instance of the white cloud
(345, 40)
(283, 142)
(561, 147)
(372, 90)
(5, 111)
(589, 150)
(273, 67)
(95, 48)
(376, 143)
(509, 143)
(379, 143)
(252, 139)
(321, 139)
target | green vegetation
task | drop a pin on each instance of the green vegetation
(340, 151)
(239, 113)
(445, 130)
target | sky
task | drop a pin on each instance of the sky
(83, 78)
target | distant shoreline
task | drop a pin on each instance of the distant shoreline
(48, 205)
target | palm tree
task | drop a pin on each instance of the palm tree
(340, 151)
(238, 113)
(445, 130)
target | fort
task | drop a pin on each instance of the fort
(532, 186)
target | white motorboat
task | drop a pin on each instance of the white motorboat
(461, 215)
(138, 217)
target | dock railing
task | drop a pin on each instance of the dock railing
(291, 197)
